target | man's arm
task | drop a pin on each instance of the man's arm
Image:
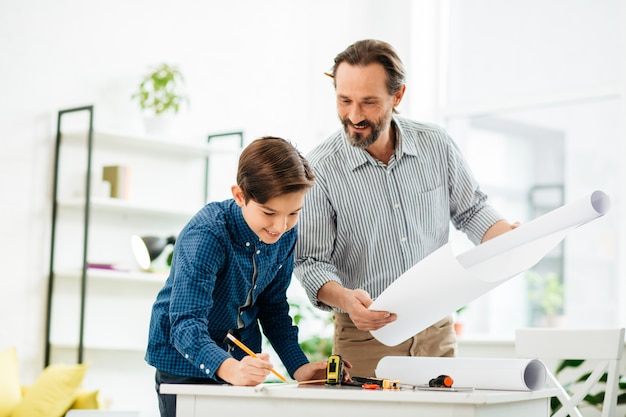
(497, 229)
(356, 302)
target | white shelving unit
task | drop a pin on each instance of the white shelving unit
(101, 316)
(124, 207)
(145, 143)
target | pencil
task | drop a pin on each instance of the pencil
(251, 353)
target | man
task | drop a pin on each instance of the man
(386, 191)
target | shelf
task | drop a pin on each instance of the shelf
(106, 274)
(147, 143)
(91, 347)
(170, 181)
(114, 205)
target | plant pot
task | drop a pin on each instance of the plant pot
(553, 320)
(161, 125)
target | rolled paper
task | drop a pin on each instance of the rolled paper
(478, 373)
(443, 281)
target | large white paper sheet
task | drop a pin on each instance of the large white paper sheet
(479, 373)
(443, 282)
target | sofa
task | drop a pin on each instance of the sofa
(55, 391)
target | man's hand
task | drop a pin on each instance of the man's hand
(498, 228)
(357, 305)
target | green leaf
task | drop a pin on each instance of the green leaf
(594, 400)
(568, 363)
(160, 90)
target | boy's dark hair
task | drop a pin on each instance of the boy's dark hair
(369, 51)
(270, 167)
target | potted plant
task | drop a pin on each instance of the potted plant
(458, 323)
(317, 347)
(160, 95)
(546, 293)
(595, 400)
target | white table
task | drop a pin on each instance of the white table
(322, 400)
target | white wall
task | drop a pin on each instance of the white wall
(251, 65)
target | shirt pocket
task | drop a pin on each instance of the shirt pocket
(429, 214)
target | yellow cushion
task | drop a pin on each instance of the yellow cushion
(10, 391)
(53, 392)
(86, 400)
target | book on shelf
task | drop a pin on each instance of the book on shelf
(108, 266)
(119, 178)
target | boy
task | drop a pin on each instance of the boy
(230, 271)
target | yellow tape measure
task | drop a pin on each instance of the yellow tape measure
(334, 370)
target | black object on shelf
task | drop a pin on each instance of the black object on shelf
(83, 276)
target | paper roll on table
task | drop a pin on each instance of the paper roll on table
(478, 373)
(444, 281)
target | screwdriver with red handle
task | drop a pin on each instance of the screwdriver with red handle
(442, 381)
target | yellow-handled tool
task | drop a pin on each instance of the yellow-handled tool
(334, 370)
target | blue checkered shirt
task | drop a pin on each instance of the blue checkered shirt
(210, 278)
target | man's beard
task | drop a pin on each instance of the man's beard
(358, 140)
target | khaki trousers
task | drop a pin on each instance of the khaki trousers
(363, 351)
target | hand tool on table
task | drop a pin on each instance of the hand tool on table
(334, 375)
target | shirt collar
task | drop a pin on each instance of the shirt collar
(357, 157)
(403, 146)
(241, 234)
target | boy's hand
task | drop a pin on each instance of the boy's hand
(248, 371)
(317, 370)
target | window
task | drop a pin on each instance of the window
(533, 99)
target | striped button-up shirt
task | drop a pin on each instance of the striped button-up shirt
(211, 277)
(364, 223)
